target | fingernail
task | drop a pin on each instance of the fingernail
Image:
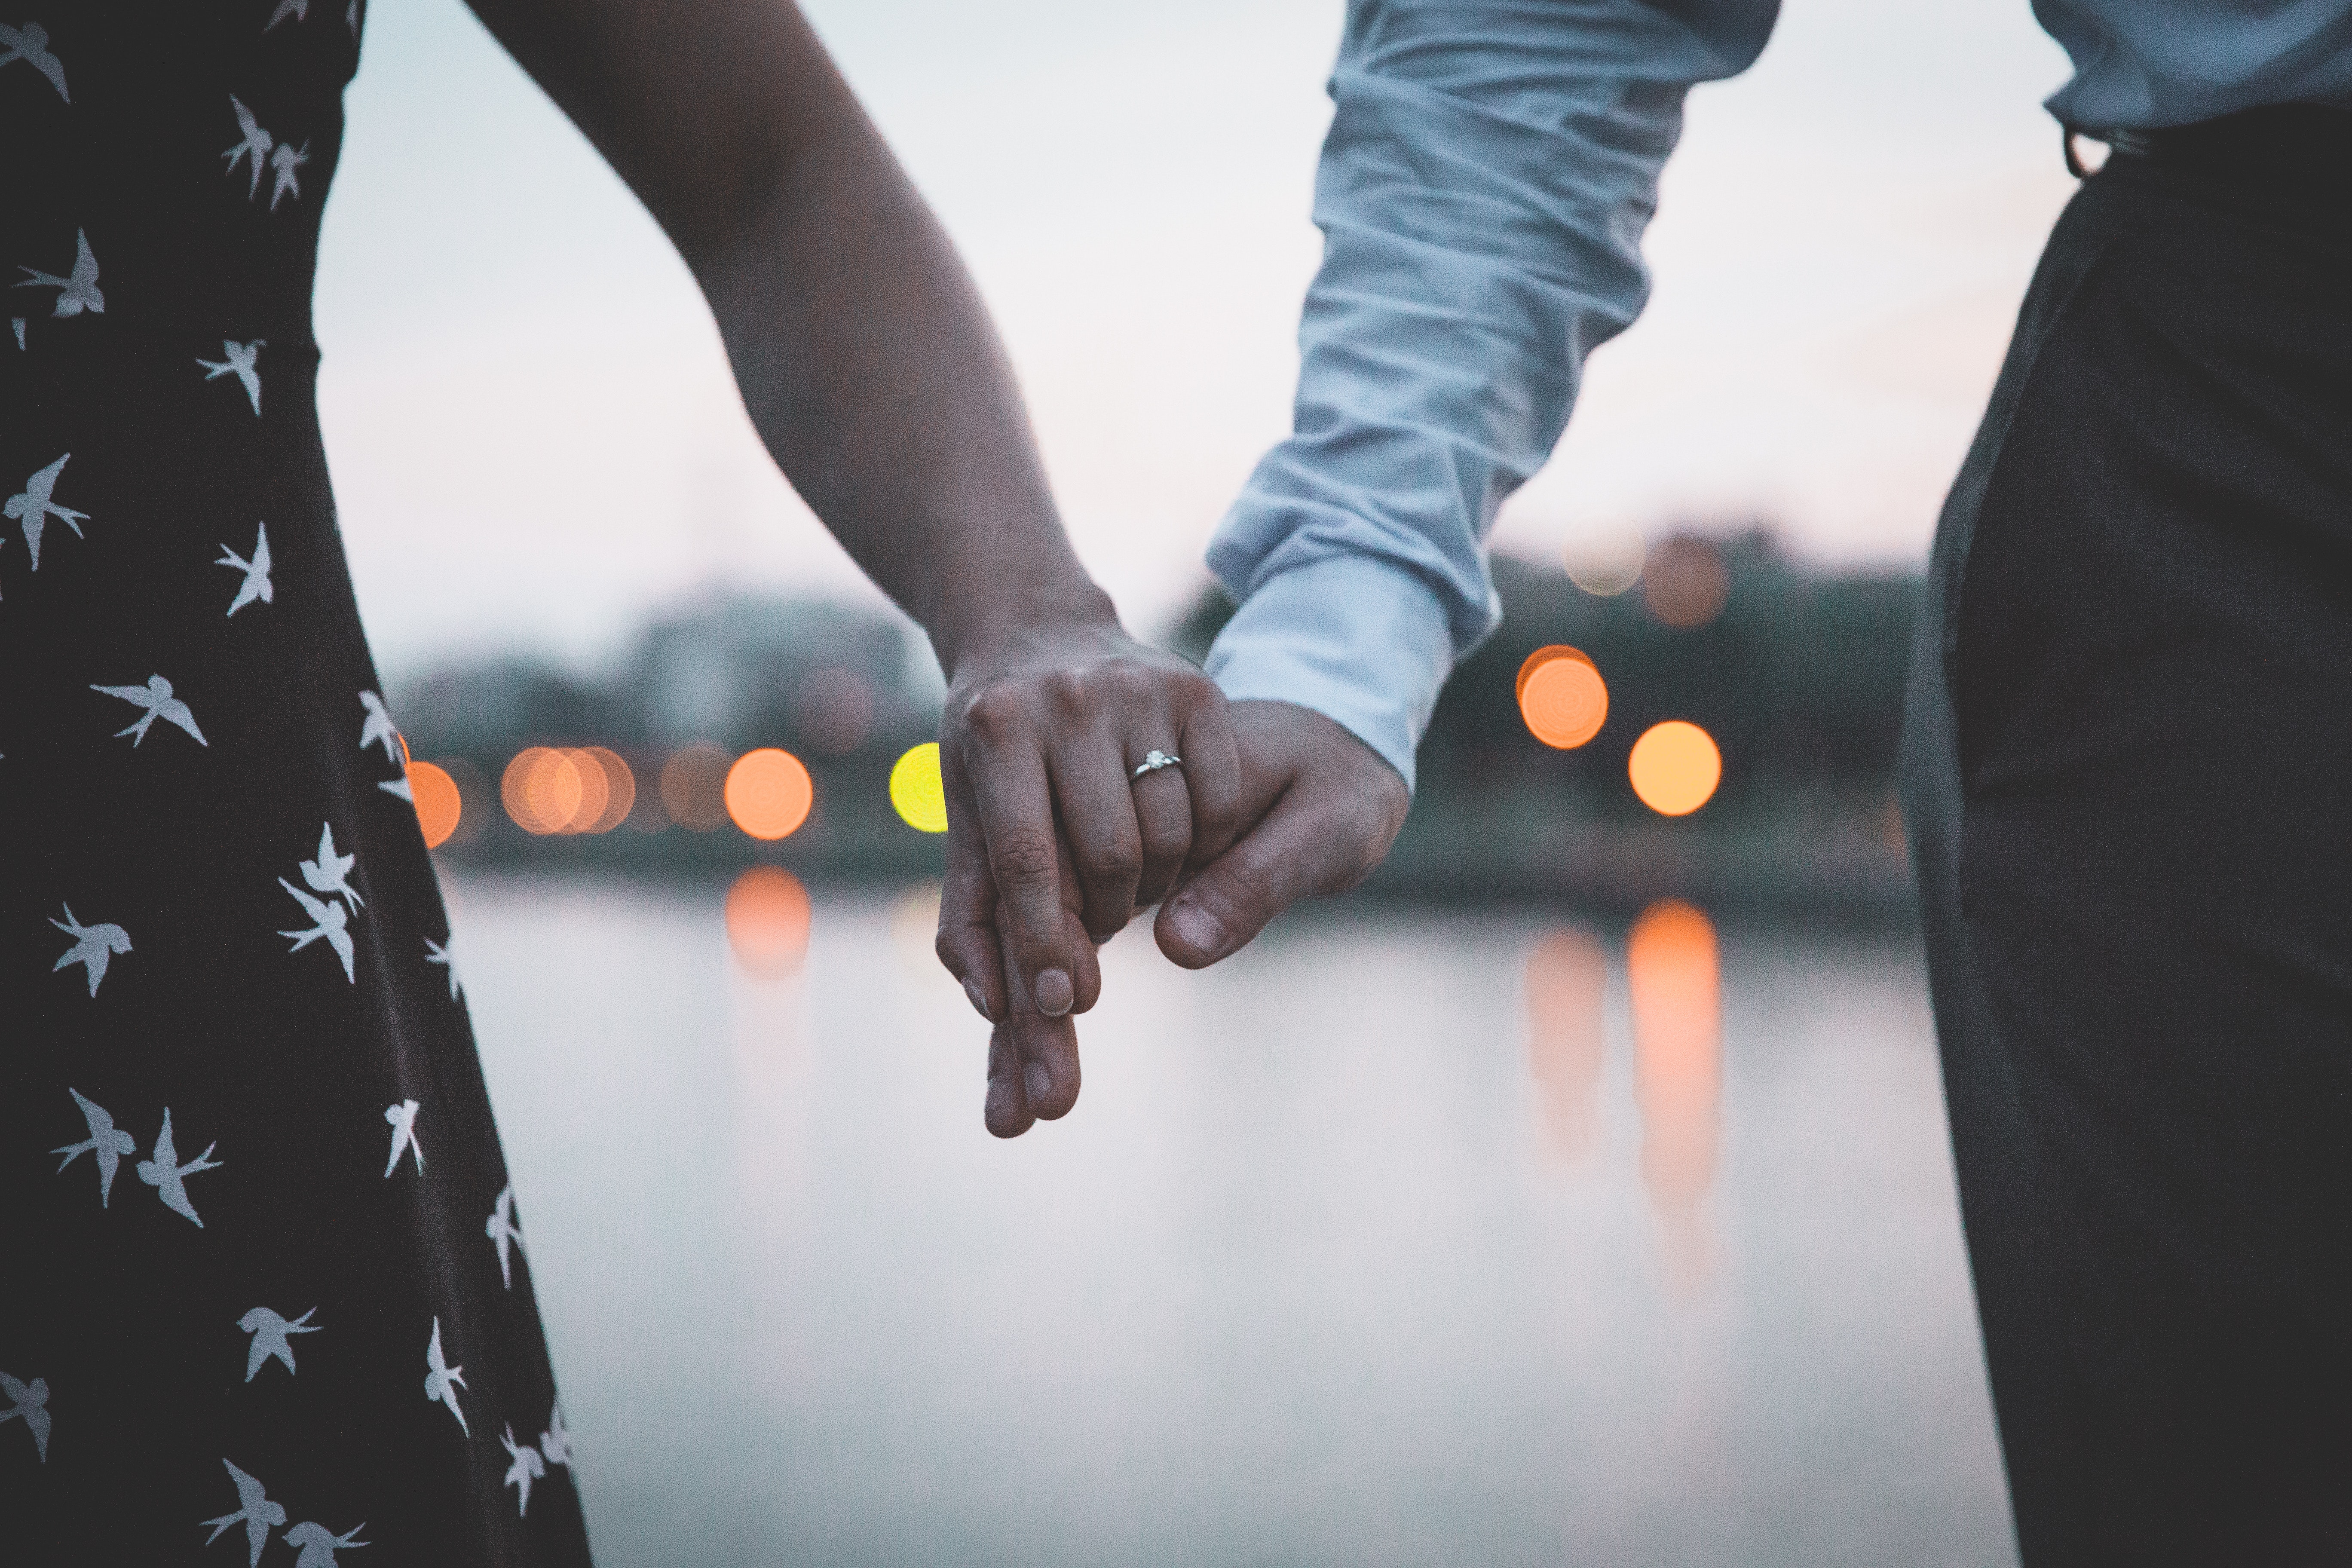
(1040, 1081)
(979, 999)
(1053, 993)
(1197, 928)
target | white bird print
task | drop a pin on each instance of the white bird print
(31, 1401)
(239, 364)
(297, 9)
(317, 1547)
(255, 1509)
(157, 698)
(93, 945)
(351, 18)
(399, 786)
(269, 1330)
(30, 43)
(378, 729)
(282, 164)
(165, 1175)
(256, 144)
(331, 873)
(443, 1380)
(257, 584)
(527, 1467)
(442, 955)
(504, 1232)
(403, 1118)
(77, 290)
(17, 325)
(106, 1141)
(555, 1442)
(332, 918)
(33, 507)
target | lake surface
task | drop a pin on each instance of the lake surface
(1402, 1237)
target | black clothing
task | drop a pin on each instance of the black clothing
(2129, 775)
(207, 815)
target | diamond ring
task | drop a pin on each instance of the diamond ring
(1153, 761)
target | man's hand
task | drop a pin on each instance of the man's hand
(1324, 808)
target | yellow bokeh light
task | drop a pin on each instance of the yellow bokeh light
(1675, 768)
(438, 804)
(769, 792)
(917, 790)
(768, 920)
(1563, 697)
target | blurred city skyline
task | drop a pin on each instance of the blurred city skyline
(536, 445)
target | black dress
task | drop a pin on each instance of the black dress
(251, 1197)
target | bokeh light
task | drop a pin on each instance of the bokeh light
(1674, 981)
(1604, 563)
(693, 787)
(768, 920)
(1684, 583)
(540, 790)
(917, 791)
(769, 792)
(1675, 767)
(833, 709)
(619, 793)
(1568, 982)
(1563, 697)
(439, 806)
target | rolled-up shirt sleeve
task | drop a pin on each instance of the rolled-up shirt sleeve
(1490, 168)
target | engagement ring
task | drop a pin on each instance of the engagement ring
(1153, 761)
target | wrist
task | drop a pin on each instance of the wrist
(993, 623)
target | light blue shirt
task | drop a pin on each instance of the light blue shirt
(1490, 168)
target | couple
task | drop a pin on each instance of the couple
(2128, 732)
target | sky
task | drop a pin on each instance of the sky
(536, 443)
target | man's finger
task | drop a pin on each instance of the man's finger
(1007, 780)
(1045, 1052)
(1006, 1110)
(1295, 850)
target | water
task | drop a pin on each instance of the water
(1399, 1239)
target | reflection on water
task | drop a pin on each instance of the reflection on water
(1357, 1249)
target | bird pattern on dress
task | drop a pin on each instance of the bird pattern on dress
(329, 885)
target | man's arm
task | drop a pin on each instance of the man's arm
(1490, 169)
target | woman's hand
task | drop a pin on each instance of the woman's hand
(1054, 841)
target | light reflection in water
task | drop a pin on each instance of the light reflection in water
(1673, 979)
(768, 922)
(1568, 979)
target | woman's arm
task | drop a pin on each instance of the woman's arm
(872, 372)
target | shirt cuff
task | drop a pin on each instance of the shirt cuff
(1361, 640)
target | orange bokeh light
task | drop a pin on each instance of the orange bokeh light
(1563, 697)
(1568, 982)
(769, 792)
(438, 804)
(1673, 979)
(1675, 768)
(768, 920)
(547, 790)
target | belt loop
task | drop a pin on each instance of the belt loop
(2067, 136)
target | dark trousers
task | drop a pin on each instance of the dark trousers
(2128, 776)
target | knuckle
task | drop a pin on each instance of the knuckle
(994, 714)
(1023, 857)
(1067, 692)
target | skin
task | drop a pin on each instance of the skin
(870, 368)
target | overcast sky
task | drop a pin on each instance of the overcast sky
(535, 442)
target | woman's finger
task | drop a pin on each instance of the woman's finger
(1212, 776)
(999, 758)
(1098, 815)
(1163, 815)
(968, 943)
(1045, 1052)
(1006, 1109)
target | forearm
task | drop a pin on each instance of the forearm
(871, 370)
(862, 349)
